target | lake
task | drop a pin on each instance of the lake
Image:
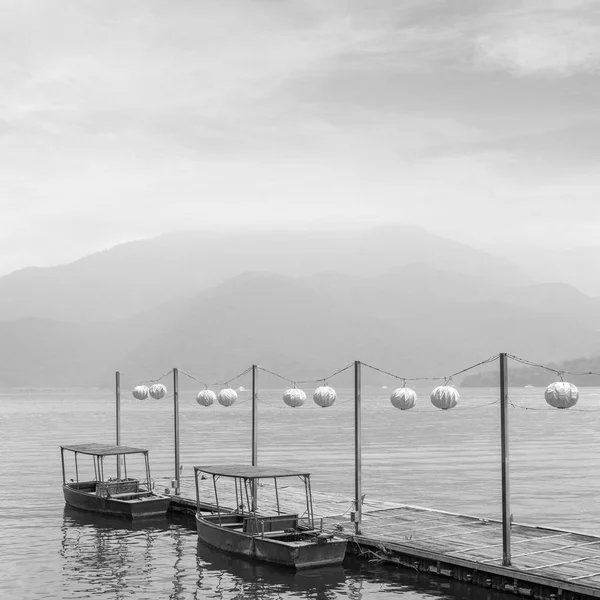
(448, 460)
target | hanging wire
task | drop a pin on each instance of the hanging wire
(192, 377)
(233, 378)
(277, 375)
(324, 379)
(559, 372)
(321, 380)
(161, 377)
(217, 383)
(446, 378)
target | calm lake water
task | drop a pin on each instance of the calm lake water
(446, 460)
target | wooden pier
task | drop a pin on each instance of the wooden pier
(546, 563)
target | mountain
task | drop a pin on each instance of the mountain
(560, 299)
(578, 267)
(540, 377)
(134, 277)
(290, 325)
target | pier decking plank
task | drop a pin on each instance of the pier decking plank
(551, 559)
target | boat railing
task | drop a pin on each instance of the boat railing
(107, 489)
(267, 524)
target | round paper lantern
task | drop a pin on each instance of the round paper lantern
(206, 397)
(444, 397)
(403, 398)
(324, 396)
(227, 397)
(158, 391)
(561, 394)
(140, 392)
(294, 397)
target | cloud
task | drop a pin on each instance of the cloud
(139, 116)
(544, 39)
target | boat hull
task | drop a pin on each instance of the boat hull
(299, 554)
(138, 508)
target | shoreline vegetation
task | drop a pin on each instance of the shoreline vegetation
(583, 372)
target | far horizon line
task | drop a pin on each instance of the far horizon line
(319, 227)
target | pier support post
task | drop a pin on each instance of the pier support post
(357, 449)
(176, 427)
(254, 432)
(118, 418)
(506, 516)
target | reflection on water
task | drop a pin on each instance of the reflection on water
(258, 580)
(417, 458)
(104, 557)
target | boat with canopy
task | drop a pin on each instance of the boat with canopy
(262, 530)
(124, 494)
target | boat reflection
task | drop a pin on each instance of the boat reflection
(107, 555)
(77, 518)
(259, 580)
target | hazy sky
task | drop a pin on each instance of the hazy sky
(125, 119)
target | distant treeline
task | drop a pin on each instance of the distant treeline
(537, 376)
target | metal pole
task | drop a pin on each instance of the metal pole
(254, 419)
(254, 483)
(118, 418)
(506, 516)
(176, 426)
(357, 449)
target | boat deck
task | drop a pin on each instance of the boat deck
(545, 562)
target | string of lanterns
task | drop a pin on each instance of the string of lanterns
(560, 394)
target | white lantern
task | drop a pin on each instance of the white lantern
(206, 397)
(140, 392)
(294, 397)
(324, 396)
(403, 398)
(444, 397)
(158, 391)
(227, 397)
(561, 394)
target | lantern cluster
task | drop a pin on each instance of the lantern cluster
(156, 391)
(226, 397)
(324, 396)
(443, 397)
(561, 394)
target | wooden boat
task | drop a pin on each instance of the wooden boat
(274, 536)
(125, 496)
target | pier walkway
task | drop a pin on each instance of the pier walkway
(546, 563)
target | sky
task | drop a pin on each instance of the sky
(124, 120)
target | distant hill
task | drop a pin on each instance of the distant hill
(539, 377)
(559, 299)
(134, 277)
(578, 267)
(297, 326)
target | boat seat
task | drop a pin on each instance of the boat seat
(278, 523)
(128, 494)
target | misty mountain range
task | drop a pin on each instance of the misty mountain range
(300, 303)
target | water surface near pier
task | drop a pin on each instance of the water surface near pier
(448, 460)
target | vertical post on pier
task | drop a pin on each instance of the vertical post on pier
(176, 427)
(254, 418)
(357, 449)
(118, 417)
(506, 516)
(254, 432)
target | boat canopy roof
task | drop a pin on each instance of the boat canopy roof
(104, 449)
(250, 472)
